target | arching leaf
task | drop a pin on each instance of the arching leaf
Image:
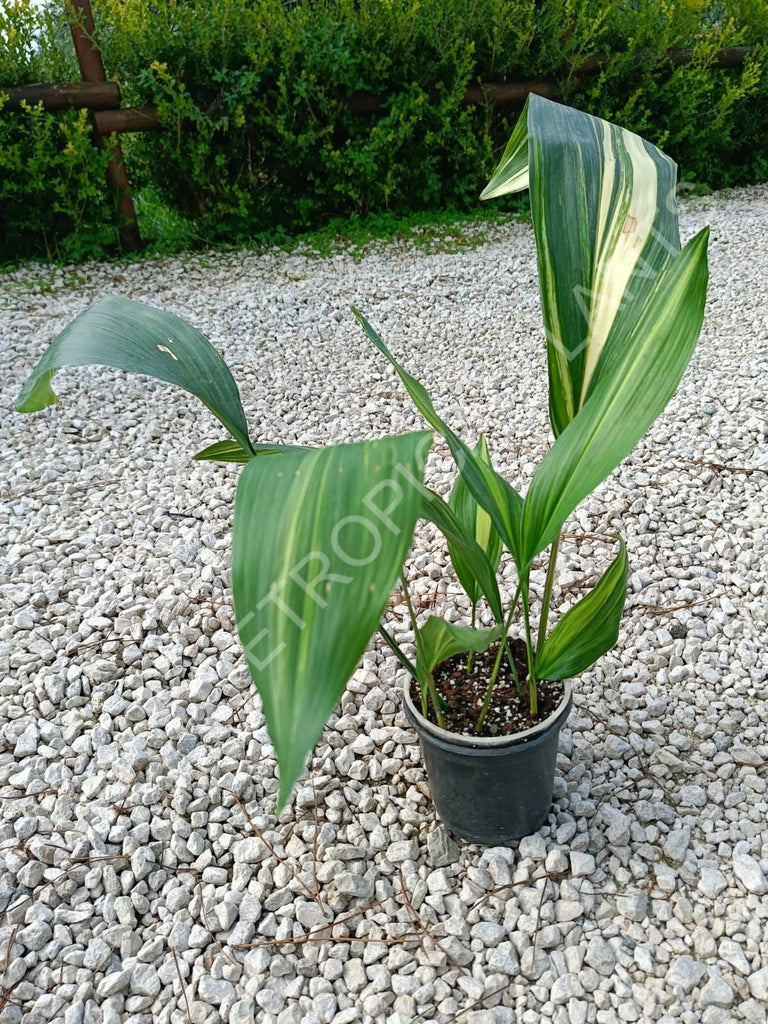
(319, 539)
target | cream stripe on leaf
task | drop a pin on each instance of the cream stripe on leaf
(319, 538)
(604, 214)
(633, 384)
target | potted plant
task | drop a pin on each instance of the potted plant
(321, 535)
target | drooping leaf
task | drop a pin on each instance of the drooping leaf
(605, 218)
(131, 336)
(439, 640)
(397, 650)
(492, 492)
(473, 558)
(477, 524)
(589, 628)
(231, 451)
(627, 397)
(319, 538)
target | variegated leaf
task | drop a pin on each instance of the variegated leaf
(476, 523)
(319, 538)
(132, 336)
(588, 629)
(231, 451)
(632, 389)
(439, 640)
(492, 492)
(605, 218)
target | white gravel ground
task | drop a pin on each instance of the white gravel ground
(144, 876)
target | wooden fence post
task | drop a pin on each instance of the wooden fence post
(92, 70)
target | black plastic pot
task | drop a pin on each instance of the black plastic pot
(496, 788)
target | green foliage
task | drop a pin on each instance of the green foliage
(259, 135)
(708, 118)
(53, 195)
(35, 43)
(320, 534)
(260, 141)
(131, 336)
(53, 199)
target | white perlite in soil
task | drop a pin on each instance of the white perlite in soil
(144, 875)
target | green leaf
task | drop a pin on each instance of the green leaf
(319, 539)
(438, 640)
(476, 524)
(397, 650)
(511, 173)
(605, 218)
(491, 491)
(231, 451)
(131, 336)
(631, 390)
(589, 628)
(475, 561)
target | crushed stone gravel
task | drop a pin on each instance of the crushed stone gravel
(143, 875)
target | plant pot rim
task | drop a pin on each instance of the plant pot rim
(462, 739)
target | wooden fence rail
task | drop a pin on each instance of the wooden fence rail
(103, 100)
(64, 95)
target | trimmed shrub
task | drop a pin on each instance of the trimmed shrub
(53, 200)
(259, 135)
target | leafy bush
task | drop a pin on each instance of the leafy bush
(259, 135)
(53, 198)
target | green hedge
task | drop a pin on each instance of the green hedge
(258, 136)
(53, 200)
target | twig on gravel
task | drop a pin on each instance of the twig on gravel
(641, 762)
(579, 538)
(89, 645)
(5, 998)
(9, 946)
(412, 913)
(315, 897)
(48, 791)
(323, 933)
(120, 810)
(204, 915)
(315, 836)
(548, 876)
(64, 873)
(719, 467)
(480, 1001)
(92, 858)
(102, 963)
(182, 984)
(538, 913)
(580, 584)
(663, 609)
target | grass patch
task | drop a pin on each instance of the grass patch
(167, 233)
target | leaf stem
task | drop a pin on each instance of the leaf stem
(554, 550)
(503, 646)
(440, 718)
(411, 613)
(428, 684)
(534, 704)
(398, 652)
(471, 653)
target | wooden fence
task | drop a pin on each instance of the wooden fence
(102, 99)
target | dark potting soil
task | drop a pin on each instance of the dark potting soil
(464, 693)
